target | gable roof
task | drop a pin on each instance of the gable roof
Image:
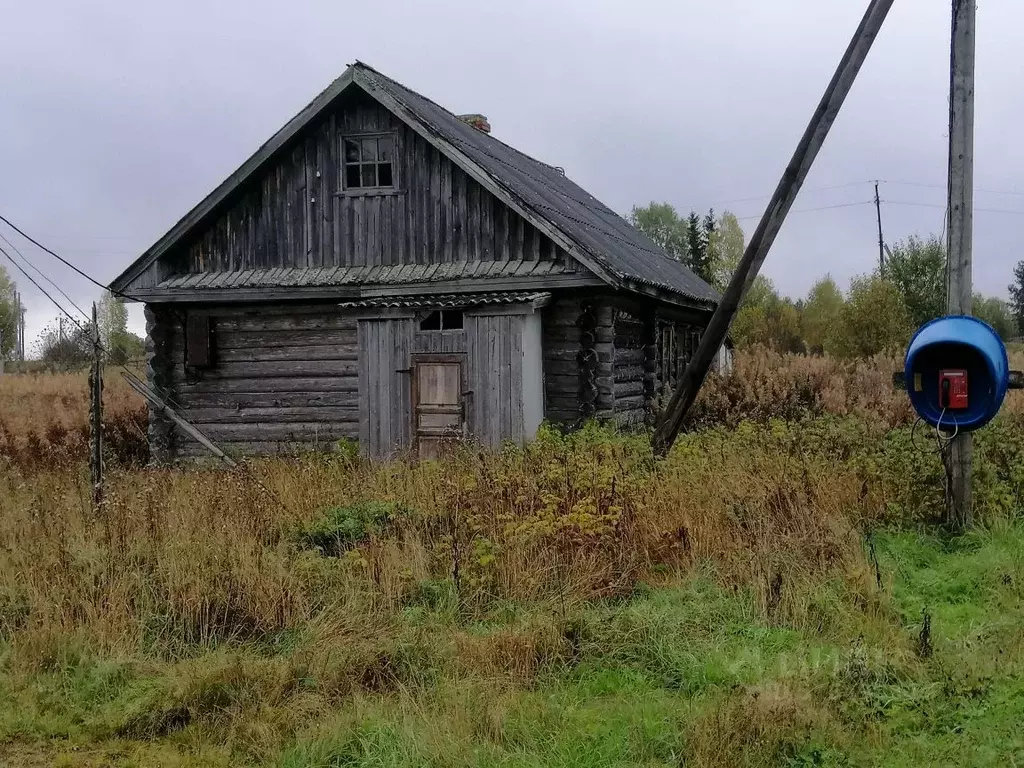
(590, 231)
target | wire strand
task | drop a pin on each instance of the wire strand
(14, 248)
(62, 260)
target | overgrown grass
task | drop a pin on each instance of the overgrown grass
(775, 592)
(758, 598)
(44, 421)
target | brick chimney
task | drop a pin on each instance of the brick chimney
(477, 121)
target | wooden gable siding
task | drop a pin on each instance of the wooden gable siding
(295, 213)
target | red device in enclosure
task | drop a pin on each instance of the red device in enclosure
(953, 389)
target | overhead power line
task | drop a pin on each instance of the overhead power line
(821, 208)
(939, 205)
(57, 256)
(38, 271)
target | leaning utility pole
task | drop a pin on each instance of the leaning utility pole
(959, 502)
(881, 240)
(771, 222)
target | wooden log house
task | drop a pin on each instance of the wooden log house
(387, 271)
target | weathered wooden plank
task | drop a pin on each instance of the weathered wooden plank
(190, 450)
(311, 202)
(445, 217)
(629, 373)
(365, 439)
(252, 340)
(495, 378)
(330, 169)
(475, 395)
(384, 372)
(236, 400)
(344, 383)
(570, 355)
(431, 211)
(629, 356)
(473, 224)
(503, 372)
(273, 415)
(628, 389)
(571, 334)
(486, 247)
(403, 380)
(358, 230)
(460, 250)
(279, 368)
(515, 352)
(568, 385)
(266, 432)
(630, 403)
(284, 323)
(300, 353)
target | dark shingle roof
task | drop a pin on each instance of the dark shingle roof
(603, 234)
(603, 240)
(376, 276)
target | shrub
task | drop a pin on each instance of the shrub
(342, 528)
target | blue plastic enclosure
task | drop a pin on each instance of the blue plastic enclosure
(957, 342)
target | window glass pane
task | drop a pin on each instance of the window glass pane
(369, 175)
(385, 148)
(384, 175)
(352, 177)
(351, 151)
(431, 322)
(451, 320)
(369, 149)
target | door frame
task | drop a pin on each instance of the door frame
(460, 358)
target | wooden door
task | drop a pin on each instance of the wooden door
(438, 405)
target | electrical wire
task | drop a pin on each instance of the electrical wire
(812, 210)
(56, 287)
(64, 261)
(128, 373)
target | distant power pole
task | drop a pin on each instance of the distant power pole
(881, 240)
(959, 502)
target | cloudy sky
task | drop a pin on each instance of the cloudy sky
(117, 117)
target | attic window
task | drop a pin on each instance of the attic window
(443, 320)
(369, 162)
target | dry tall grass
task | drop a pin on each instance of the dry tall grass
(44, 420)
(259, 599)
(179, 558)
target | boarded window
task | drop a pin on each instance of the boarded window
(198, 349)
(369, 162)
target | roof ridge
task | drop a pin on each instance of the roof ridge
(378, 73)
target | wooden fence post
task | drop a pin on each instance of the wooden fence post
(96, 414)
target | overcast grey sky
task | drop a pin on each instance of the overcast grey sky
(117, 117)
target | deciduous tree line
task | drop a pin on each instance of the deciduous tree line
(877, 313)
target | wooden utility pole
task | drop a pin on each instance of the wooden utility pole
(771, 222)
(1, 352)
(881, 240)
(959, 500)
(96, 414)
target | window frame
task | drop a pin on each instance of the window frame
(441, 312)
(345, 164)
